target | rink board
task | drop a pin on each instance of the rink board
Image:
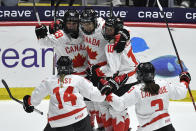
(24, 63)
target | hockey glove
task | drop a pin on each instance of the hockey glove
(41, 31)
(120, 40)
(91, 71)
(121, 79)
(92, 75)
(27, 107)
(106, 90)
(108, 86)
(185, 76)
(53, 27)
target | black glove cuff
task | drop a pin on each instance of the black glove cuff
(113, 84)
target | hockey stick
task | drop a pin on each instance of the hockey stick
(20, 102)
(36, 13)
(111, 8)
(161, 9)
(54, 55)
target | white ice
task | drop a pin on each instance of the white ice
(14, 118)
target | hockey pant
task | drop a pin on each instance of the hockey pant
(120, 119)
(106, 116)
(91, 111)
(98, 114)
(83, 125)
(166, 128)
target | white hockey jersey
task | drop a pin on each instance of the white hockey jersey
(67, 46)
(95, 44)
(66, 101)
(124, 62)
(151, 111)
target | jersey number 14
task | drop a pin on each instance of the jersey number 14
(68, 96)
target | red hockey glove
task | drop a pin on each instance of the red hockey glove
(185, 76)
(58, 25)
(120, 40)
(27, 107)
(41, 31)
(108, 86)
(122, 79)
(92, 75)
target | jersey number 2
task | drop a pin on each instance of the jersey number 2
(159, 102)
(68, 96)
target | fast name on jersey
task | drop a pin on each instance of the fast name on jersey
(65, 81)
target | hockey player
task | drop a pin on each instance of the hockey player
(95, 43)
(91, 27)
(151, 98)
(66, 42)
(67, 110)
(118, 50)
(121, 62)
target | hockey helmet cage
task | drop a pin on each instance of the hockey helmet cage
(86, 16)
(145, 72)
(64, 65)
(71, 15)
(116, 23)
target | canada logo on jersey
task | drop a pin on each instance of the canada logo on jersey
(91, 54)
(78, 60)
(92, 41)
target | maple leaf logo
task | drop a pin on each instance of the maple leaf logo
(78, 60)
(91, 54)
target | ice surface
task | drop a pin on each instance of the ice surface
(14, 118)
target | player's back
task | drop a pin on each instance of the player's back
(152, 110)
(66, 102)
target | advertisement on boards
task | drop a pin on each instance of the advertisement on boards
(129, 14)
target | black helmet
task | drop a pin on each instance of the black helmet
(145, 72)
(88, 15)
(116, 23)
(73, 16)
(64, 65)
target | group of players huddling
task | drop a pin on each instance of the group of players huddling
(95, 61)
